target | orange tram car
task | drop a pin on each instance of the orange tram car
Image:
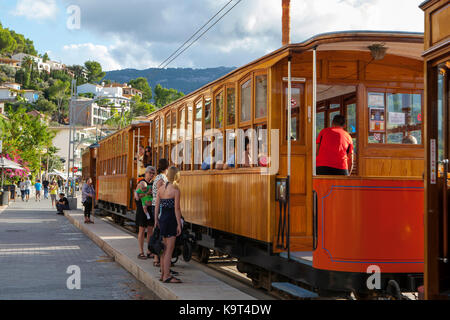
(285, 224)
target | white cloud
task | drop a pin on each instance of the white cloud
(36, 9)
(143, 33)
(120, 55)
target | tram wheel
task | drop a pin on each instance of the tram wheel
(203, 254)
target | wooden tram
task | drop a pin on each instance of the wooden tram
(328, 231)
(437, 97)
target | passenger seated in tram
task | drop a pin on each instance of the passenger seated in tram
(262, 156)
(246, 155)
(409, 139)
(334, 149)
(139, 159)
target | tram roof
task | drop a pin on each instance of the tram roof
(358, 40)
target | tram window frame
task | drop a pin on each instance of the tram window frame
(174, 126)
(387, 91)
(243, 123)
(181, 132)
(262, 119)
(219, 92)
(301, 120)
(198, 135)
(188, 165)
(227, 124)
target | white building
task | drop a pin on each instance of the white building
(114, 95)
(42, 66)
(55, 65)
(87, 113)
(12, 85)
(31, 95)
(84, 137)
(6, 94)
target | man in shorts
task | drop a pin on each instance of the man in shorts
(38, 187)
(27, 188)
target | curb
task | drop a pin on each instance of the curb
(151, 283)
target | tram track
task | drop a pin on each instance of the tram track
(222, 268)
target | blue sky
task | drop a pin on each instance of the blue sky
(142, 33)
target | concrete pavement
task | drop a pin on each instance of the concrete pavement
(37, 247)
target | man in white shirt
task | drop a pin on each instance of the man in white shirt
(27, 188)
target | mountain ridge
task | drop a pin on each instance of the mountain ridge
(185, 80)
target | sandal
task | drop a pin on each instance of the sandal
(156, 264)
(150, 255)
(142, 256)
(169, 280)
(175, 273)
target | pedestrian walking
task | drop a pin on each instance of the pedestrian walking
(38, 188)
(53, 192)
(59, 184)
(169, 220)
(144, 214)
(22, 187)
(87, 195)
(45, 184)
(27, 188)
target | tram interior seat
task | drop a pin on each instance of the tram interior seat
(333, 100)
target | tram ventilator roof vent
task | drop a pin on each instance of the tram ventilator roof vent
(378, 50)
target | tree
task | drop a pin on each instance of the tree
(164, 96)
(141, 83)
(140, 108)
(7, 42)
(78, 73)
(26, 136)
(45, 57)
(94, 69)
(58, 92)
(45, 106)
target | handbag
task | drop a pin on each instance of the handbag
(156, 245)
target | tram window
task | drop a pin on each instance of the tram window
(181, 128)
(168, 128)
(197, 153)
(404, 118)
(296, 94)
(174, 126)
(231, 106)
(351, 118)
(198, 118)
(189, 122)
(160, 152)
(261, 96)
(207, 114)
(230, 149)
(320, 122)
(218, 151)
(187, 154)
(261, 132)
(246, 100)
(219, 111)
(161, 132)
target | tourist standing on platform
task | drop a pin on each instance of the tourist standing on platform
(22, 188)
(168, 200)
(38, 188)
(45, 184)
(27, 188)
(145, 219)
(87, 195)
(159, 181)
(53, 192)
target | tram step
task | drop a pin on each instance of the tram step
(294, 290)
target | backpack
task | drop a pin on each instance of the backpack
(156, 245)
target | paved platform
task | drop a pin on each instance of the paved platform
(197, 285)
(36, 248)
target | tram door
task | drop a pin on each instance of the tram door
(437, 267)
(300, 186)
